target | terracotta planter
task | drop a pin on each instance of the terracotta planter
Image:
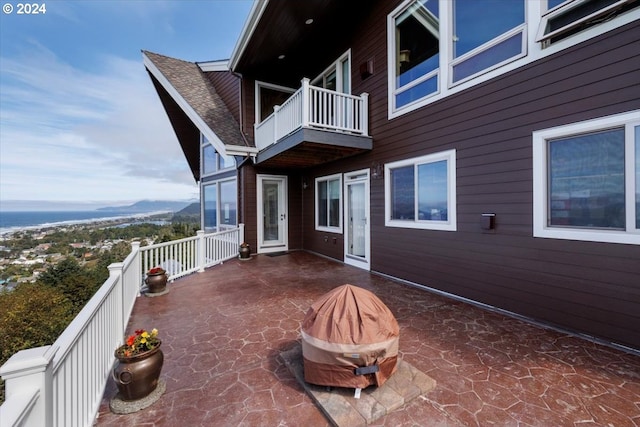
(156, 283)
(137, 376)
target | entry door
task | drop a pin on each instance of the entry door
(357, 248)
(272, 213)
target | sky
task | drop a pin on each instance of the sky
(80, 121)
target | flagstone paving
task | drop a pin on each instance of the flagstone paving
(224, 331)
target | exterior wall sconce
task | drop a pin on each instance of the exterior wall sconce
(305, 185)
(366, 69)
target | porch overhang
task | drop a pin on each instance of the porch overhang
(308, 147)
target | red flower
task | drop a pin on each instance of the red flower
(131, 340)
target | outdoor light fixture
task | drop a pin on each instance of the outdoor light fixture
(404, 56)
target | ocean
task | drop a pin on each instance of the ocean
(12, 221)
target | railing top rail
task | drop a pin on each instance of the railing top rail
(335, 93)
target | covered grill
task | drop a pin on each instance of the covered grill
(349, 339)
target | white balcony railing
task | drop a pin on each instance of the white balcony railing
(314, 107)
(62, 384)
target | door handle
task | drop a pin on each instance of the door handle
(282, 217)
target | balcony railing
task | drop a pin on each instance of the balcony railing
(62, 384)
(314, 107)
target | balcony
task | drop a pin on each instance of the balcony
(312, 127)
(224, 329)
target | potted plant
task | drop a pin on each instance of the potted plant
(244, 251)
(139, 362)
(156, 280)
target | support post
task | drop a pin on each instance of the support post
(364, 114)
(28, 376)
(305, 102)
(201, 250)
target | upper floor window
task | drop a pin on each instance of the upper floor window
(267, 97)
(212, 161)
(421, 192)
(436, 48)
(569, 17)
(416, 44)
(586, 180)
(485, 35)
(329, 203)
(337, 76)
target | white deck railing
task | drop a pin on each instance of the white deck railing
(314, 107)
(62, 384)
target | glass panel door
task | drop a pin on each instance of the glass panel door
(272, 213)
(357, 248)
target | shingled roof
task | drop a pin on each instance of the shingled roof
(198, 92)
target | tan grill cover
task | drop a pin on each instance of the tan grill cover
(347, 328)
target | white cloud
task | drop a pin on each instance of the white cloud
(67, 134)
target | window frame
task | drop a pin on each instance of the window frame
(218, 184)
(327, 228)
(218, 159)
(337, 68)
(540, 141)
(257, 106)
(451, 224)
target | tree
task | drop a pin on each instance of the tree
(75, 282)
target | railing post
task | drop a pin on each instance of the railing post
(276, 110)
(240, 234)
(24, 372)
(305, 95)
(201, 251)
(137, 263)
(364, 114)
(115, 270)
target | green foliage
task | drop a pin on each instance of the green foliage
(75, 282)
(31, 315)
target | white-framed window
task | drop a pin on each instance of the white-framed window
(436, 48)
(564, 18)
(212, 161)
(421, 192)
(220, 204)
(268, 96)
(337, 76)
(329, 203)
(586, 180)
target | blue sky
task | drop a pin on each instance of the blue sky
(79, 118)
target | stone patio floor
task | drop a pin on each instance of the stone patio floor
(224, 330)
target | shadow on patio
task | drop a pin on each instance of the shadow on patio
(223, 331)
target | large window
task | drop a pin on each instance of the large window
(436, 48)
(329, 203)
(219, 200)
(267, 97)
(212, 161)
(420, 192)
(586, 184)
(485, 35)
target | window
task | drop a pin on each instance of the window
(420, 192)
(337, 76)
(416, 52)
(586, 180)
(212, 161)
(436, 48)
(329, 203)
(219, 201)
(574, 16)
(485, 35)
(267, 97)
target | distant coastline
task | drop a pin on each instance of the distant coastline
(15, 221)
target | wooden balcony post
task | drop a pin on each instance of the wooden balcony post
(306, 98)
(364, 114)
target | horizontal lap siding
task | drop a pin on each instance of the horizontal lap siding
(228, 87)
(589, 287)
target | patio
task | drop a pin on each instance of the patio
(223, 332)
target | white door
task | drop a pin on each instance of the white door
(272, 213)
(357, 248)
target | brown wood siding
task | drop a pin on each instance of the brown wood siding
(228, 87)
(589, 287)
